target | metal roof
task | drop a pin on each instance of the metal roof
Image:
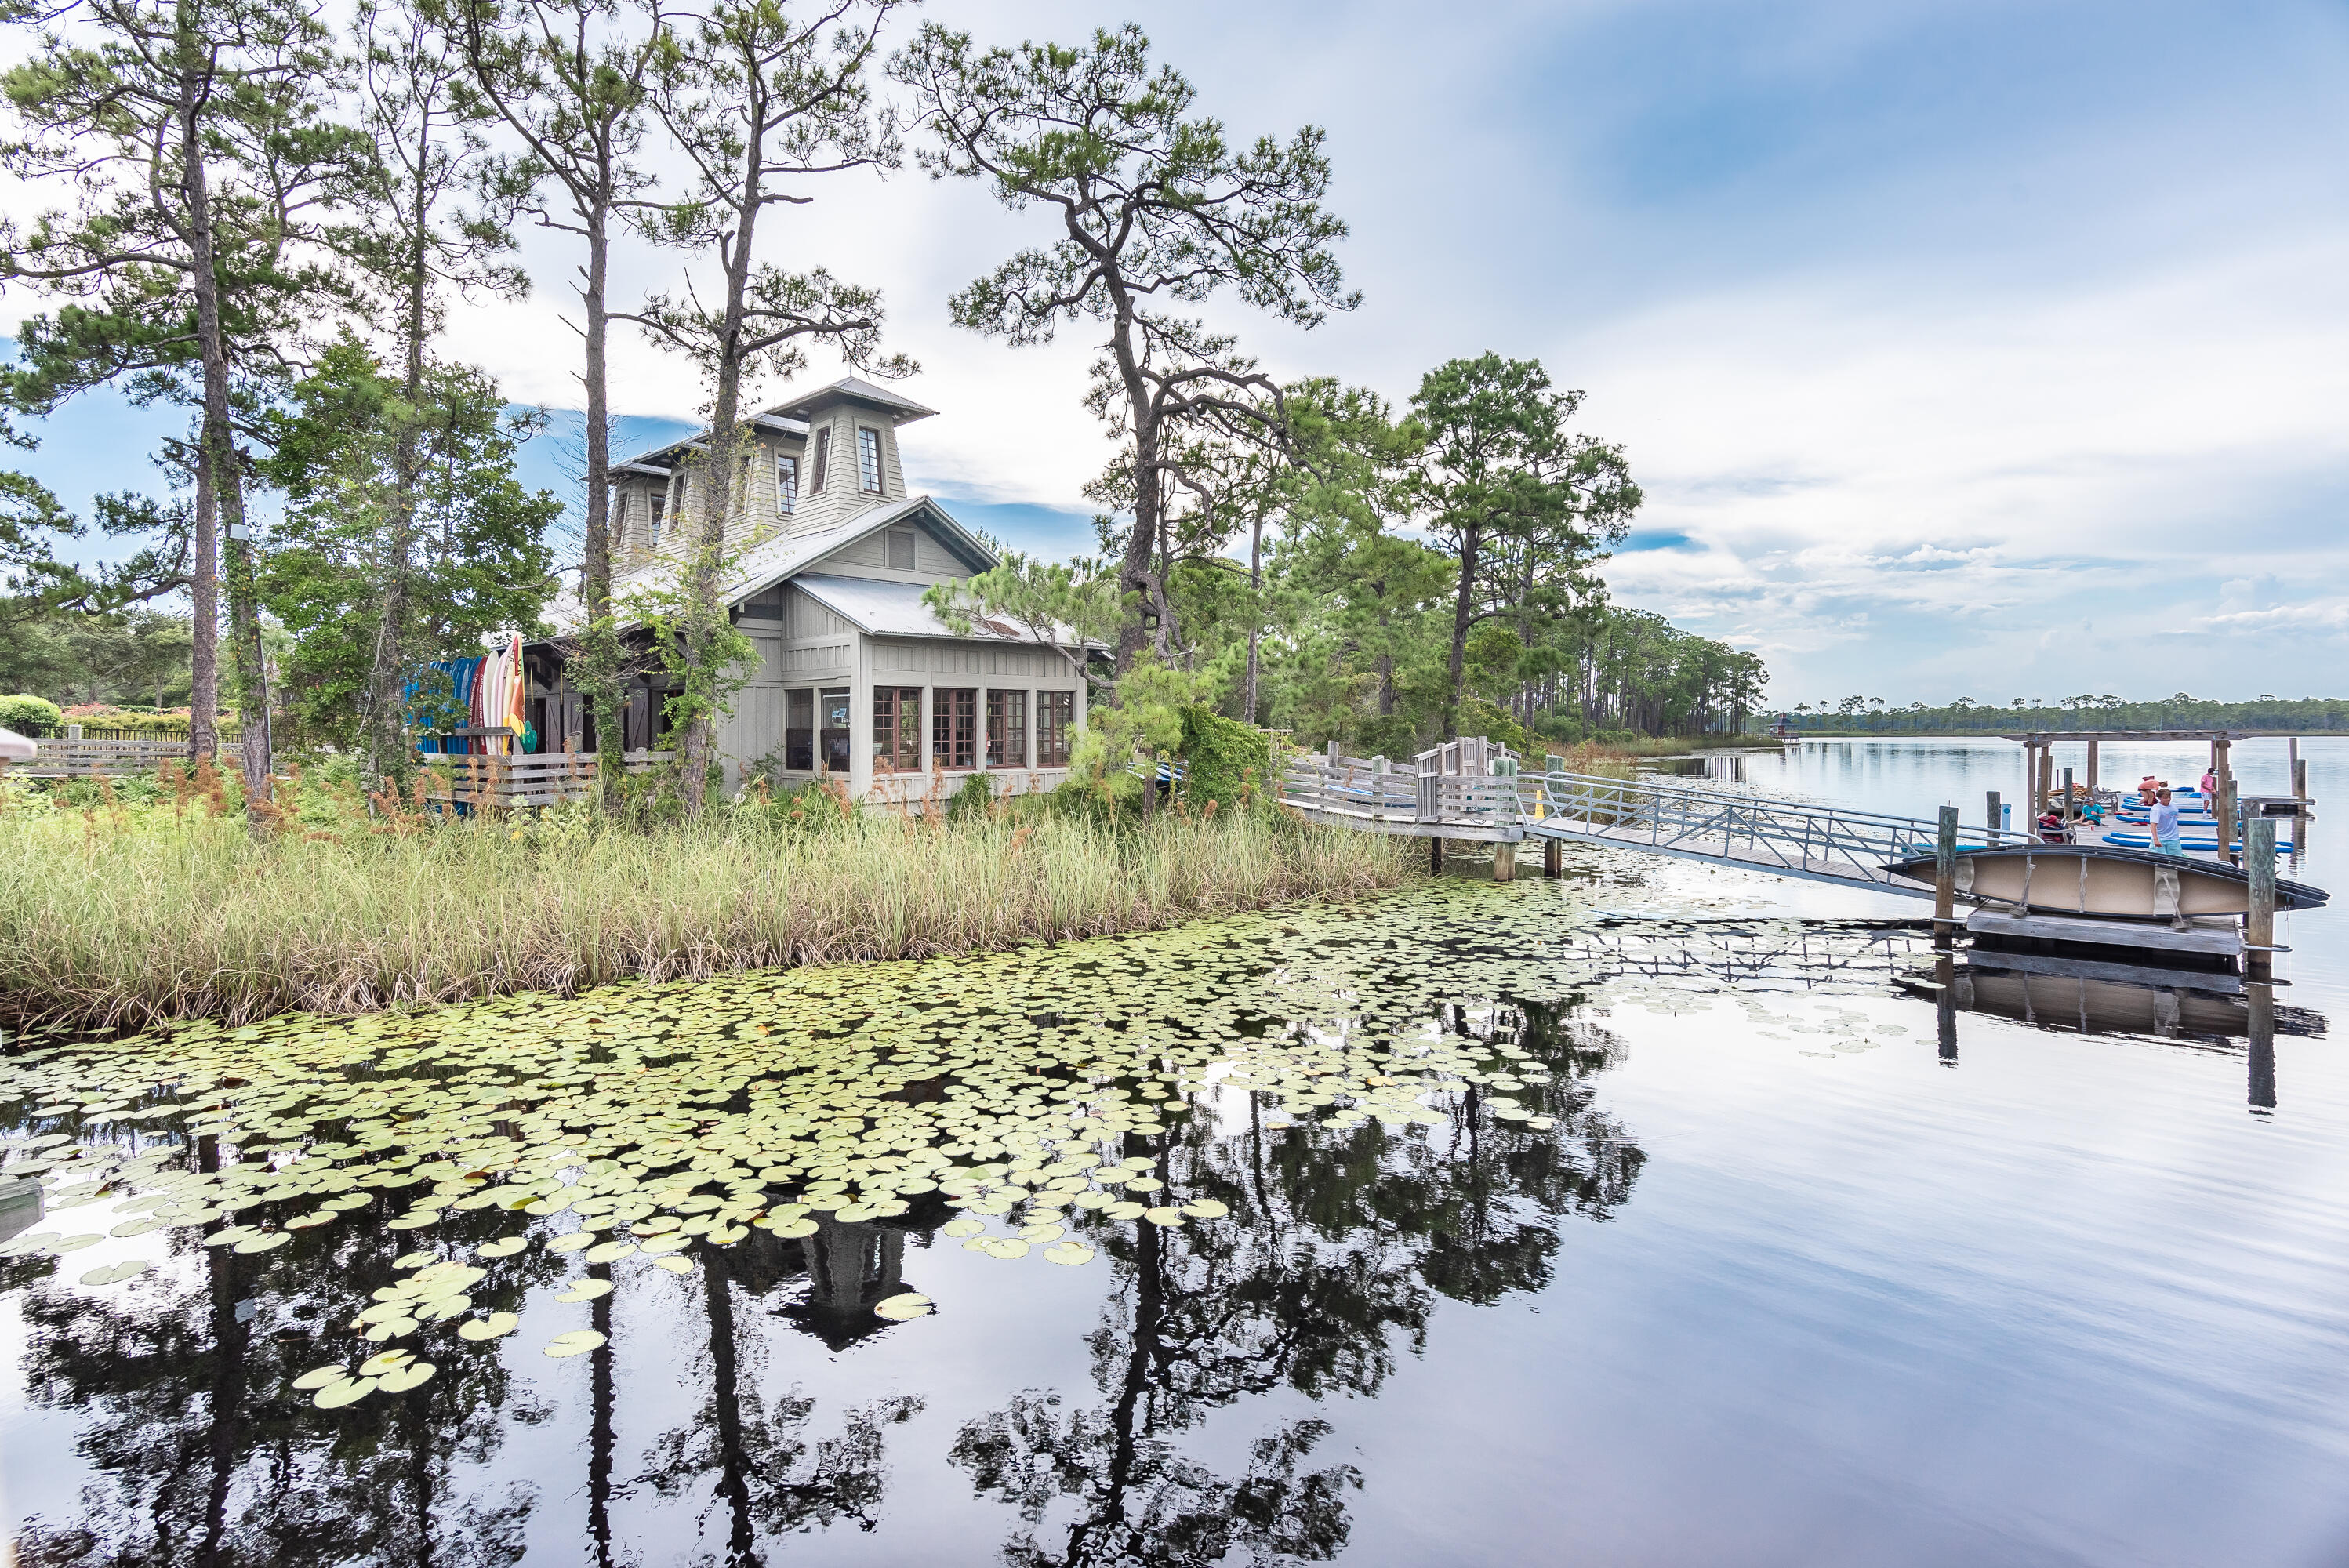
(905, 410)
(772, 561)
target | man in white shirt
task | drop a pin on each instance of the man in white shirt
(2164, 826)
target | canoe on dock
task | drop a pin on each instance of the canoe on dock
(2104, 882)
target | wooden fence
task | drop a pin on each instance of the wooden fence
(538, 779)
(1463, 789)
(80, 758)
(543, 779)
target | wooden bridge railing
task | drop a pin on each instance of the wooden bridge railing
(543, 779)
(1461, 791)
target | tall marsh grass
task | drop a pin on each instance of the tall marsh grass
(109, 924)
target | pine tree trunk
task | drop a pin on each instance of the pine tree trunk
(1455, 691)
(386, 734)
(596, 567)
(219, 437)
(204, 596)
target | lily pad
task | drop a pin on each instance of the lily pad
(504, 1247)
(321, 1378)
(572, 1242)
(578, 1342)
(265, 1242)
(1071, 1253)
(904, 1306)
(674, 1265)
(349, 1391)
(493, 1326)
(115, 1273)
(587, 1290)
(406, 1377)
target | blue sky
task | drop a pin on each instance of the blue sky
(1978, 349)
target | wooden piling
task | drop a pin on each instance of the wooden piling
(2092, 767)
(1990, 814)
(1553, 857)
(2292, 767)
(1505, 862)
(2258, 925)
(1436, 856)
(1945, 880)
(2071, 810)
(2223, 808)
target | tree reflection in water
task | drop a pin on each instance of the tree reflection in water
(195, 1450)
(1336, 1252)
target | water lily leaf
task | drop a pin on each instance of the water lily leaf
(115, 1273)
(1037, 1235)
(572, 1242)
(491, 1328)
(1004, 1247)
(674, 1265)
(578, 1342)
(350, 1391)
(392, 1329)
(653, 1247)
(965, 1226)
(587, 1290)
(1206, 1209)
(504, 1247)
(1168, 1217)
(383, 1361)
(793, 1229)
(1126, 1211)
(1069, 1252)
(439, 1309)
(902, 1307)
(320, 1378)
(265, 1243)
(406, 1377)
(609, 1251)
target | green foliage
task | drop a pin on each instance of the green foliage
(22, 713)
(973, 797)
(1479, 717)
(1965, 715)
(1050, 602)
(466, 542)
(1145, 724)
(1225, 762)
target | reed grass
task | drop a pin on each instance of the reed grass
(107, 923)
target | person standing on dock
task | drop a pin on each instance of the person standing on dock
(2164, 826)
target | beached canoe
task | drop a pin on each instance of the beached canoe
(2103, 881)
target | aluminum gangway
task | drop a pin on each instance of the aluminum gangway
(1786, 838)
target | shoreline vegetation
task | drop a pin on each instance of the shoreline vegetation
(116, 912)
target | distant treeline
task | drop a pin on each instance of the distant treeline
(1871, 715)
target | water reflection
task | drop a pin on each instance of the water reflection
(193, 1446)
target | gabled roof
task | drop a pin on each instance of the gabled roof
(772, 561)
(905, 410)
(791, 417)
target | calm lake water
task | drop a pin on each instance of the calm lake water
(1651, 1221)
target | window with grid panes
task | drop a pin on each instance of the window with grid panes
(787, 484)
(953, 727)
(820, 461)
(1007, 729)
(799, 731)
(868, 459)
(897, 729)
(1056, 717)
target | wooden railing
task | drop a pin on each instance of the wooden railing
(80, 758)
(543, 779)
(1461, 791)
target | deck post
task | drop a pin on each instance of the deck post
(2223, 808)
(1553, 857)
(2300, 780)
(2259, 1004)
(1436, 856)
(1945, 1011)
(1990, 816)
(1945, 880)
(2258, 925)
(2071, 812)
(2092, 767)
(2046, 774)
(2291, 765)
(1505, 862)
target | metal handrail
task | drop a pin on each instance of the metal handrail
(1813, 840)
